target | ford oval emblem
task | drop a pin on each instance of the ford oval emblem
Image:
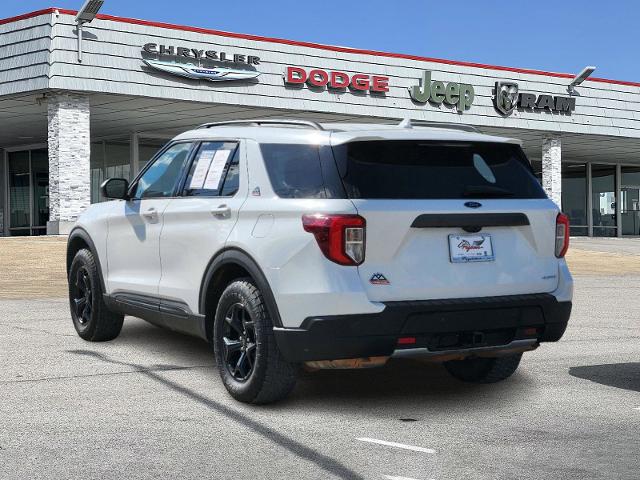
(472, 204)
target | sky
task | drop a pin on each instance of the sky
(559, 35)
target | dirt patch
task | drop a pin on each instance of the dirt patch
(33, 267)
(587, 262)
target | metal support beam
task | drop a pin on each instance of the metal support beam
(80, 42)
(589, 201)
(134, 157)
(618, 200)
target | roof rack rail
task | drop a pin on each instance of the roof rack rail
(257, 122)
(409, 123)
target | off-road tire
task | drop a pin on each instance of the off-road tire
(100, 324)
(271, 378)
(484, 370)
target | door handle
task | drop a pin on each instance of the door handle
(151, 214)
(221, 211)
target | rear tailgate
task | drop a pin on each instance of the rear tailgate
(449, 218)
(416, 260)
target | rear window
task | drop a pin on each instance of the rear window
(435, 170)
(294, 170)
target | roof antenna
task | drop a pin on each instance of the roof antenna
(406, 123)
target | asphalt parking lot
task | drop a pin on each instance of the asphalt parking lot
(150, 405)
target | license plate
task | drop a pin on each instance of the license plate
(470, 248)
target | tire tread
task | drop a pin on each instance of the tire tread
(106, 325)
(279, 376)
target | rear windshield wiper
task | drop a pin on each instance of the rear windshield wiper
(486, 191)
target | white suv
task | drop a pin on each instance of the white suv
(288, 243)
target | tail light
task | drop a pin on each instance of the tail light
(562, 235)
(340, 237)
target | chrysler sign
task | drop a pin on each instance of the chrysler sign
(210, 65)
(171, 51)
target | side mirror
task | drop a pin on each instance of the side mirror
(115, 188)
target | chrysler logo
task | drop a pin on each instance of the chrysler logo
(215, 74)
(506, 97)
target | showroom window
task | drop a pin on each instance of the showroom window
(109, 159)
(112, 158)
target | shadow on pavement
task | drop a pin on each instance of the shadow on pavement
(328, 464)
(396, 386)
(143, 335)
(619, 375)
(400, 385)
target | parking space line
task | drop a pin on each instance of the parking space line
(397, 445)
(391, 477)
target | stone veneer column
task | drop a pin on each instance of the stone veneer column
(69, 151)
(552, 168)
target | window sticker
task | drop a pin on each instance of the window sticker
(216, 169)
(200, 172)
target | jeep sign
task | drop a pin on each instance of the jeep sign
(459, 94)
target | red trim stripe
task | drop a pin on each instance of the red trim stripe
(318, 46)
(44, 11)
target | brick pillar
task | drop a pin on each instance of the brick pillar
(552, 169)
(69, 171)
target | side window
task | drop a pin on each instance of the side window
(161, 178)
(294, 170)
(214, 171)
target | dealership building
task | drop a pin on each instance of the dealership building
(81, 101)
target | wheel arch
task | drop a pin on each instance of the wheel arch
(79, 238)
(224, 267)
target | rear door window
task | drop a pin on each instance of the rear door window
(435, 170)
(214, 171)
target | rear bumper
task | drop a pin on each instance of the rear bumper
(434, 327)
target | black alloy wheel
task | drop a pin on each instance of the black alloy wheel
(82, 296)
(239, 342)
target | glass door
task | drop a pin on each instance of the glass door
(28, 195)
(19, 196)
(40, 191)
(574, 197)
(603, 195)
(630, 200)
(630, 210)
